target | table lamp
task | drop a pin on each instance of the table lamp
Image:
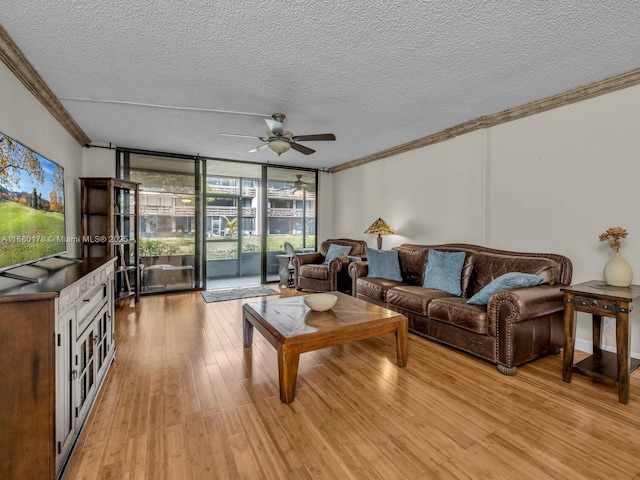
(380, 227)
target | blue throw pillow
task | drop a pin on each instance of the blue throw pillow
(505, 282)
(384, 264)
(336, 251)
(443, 271)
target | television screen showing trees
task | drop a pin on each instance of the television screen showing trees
(31, 205)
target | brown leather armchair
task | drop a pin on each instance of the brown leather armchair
(312, 274)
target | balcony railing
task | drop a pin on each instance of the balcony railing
(216, 211)
(288, 193)
(288, 213)
(228, 191)
(252, 191)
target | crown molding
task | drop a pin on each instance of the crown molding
(601, 87)
(13, 57)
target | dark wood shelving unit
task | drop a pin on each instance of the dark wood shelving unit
(110, 227)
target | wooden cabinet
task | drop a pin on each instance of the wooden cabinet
(56, 345)
(109, 224)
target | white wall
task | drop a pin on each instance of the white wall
(24, 118)
(551, 182)
(429, 195)
(98, 162)
(325, 207)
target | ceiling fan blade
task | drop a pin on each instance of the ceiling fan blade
(258, 149)
(302, 148)
(237, 135)
(314, 138)
(275, 126)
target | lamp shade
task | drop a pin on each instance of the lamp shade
(380, 227)
(279, 146)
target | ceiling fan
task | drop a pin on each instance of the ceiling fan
(300, 186)
(279, 141)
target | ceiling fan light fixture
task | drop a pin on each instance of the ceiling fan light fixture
(279, 146)
(280, 141)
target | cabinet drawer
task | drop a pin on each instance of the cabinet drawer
(597, 306)
(71, 295)
(91, 302)
(67, 299)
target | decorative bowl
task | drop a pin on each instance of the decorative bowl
(320, 302)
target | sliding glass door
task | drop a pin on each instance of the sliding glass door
(290, 215)
(232, 224)
(204, 220)
(169, 222)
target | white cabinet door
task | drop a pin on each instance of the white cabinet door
(104, 342)
(84, 372)
(65, 414)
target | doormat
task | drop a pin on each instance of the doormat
(236, 293)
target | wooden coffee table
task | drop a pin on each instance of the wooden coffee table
(292, 328)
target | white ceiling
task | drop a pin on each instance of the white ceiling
(166, 75)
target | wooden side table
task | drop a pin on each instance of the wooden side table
(601, 300)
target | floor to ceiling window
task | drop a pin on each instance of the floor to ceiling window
(169, 227)
(232, 222)
(290, 213)
(204, 220)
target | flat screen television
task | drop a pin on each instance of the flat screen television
(32, 223)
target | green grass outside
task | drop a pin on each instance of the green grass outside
(215, 250)
(27, 233)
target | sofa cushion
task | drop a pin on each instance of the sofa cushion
(444, 271)
(413, 260)
(336, 251)
(467, 271)
(357, 246)
(376, 288)
(383, 264)
(489, 266)
(310, 270)
(456, 311)
(412, 298)
(505, 282)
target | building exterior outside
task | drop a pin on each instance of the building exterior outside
(229, 216)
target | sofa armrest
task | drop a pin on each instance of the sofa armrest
(300, 259)
(334, 267)
(338, 264)
(523, 303)
(527, 323)
(304, 258)
(357, 270)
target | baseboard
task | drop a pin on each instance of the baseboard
(587, 346)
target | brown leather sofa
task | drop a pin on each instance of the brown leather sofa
(311, 274)
(515, 327)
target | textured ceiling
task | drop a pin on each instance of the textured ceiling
(166, 75)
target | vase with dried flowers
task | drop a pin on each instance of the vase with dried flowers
(617, 271)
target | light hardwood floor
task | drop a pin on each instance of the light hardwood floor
(185, 400)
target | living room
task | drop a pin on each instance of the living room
(547, 182)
